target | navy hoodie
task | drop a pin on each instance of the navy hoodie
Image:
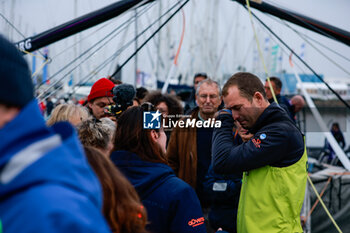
(276, 142)
(46, 184)
(171, 204)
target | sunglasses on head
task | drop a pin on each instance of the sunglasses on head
(147, 106)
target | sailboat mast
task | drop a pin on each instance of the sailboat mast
(136, 46)
(75, 77)
(302, 20)
(159, 42)
(76, 25)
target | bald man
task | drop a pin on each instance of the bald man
(297, 103)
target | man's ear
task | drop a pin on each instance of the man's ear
(258, 96)
(278, 91)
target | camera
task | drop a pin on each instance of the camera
(123, 96)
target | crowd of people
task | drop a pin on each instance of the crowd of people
(84, 169)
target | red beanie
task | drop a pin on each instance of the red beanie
(101, 88)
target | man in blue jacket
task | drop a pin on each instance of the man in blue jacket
(46, 185)
(276, 85)
(273, 158)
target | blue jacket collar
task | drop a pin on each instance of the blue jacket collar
(273, 113)
(63, 163)
(144, 175)
(26, 127)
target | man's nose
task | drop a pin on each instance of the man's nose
(207, 99)
(235, 116)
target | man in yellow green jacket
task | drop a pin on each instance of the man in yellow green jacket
(273, 157)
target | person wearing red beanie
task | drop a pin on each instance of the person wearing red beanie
(100, 96)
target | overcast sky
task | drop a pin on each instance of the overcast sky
(203, 42)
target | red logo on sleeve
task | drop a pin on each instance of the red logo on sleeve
(256, 142)
(196, 222)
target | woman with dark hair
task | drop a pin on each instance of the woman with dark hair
(122, 207)
(171, 204)
(168, 106)
(165, 103)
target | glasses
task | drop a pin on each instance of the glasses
(204, 97)
(147, 106)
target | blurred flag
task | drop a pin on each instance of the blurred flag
(34, 67)
(274, 57)
(45, 72)
(143, 78)
(70, 82)
(302, 51)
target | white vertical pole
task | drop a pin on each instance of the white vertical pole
(334, 144)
